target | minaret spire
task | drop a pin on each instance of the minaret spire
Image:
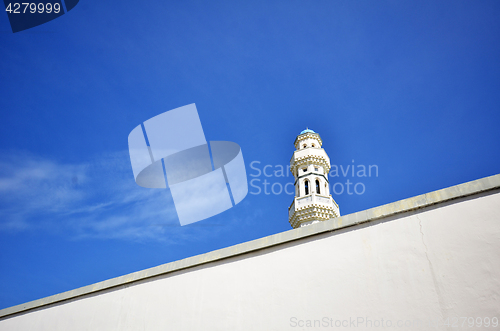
(310, 165)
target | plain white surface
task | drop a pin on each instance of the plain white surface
(437, 263)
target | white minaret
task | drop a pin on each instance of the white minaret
(310, 166)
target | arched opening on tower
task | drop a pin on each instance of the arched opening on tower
(317, 187)
(306, 186)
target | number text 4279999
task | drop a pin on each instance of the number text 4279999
(33, 8)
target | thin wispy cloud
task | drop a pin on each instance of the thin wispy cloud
(97, 199)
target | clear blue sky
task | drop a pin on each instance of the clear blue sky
(409, 86)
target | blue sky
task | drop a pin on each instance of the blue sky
(409, 86)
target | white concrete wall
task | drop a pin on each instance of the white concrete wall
(432, 264)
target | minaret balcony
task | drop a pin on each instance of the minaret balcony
(310, 153)
(312, 207)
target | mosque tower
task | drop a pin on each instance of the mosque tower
(310, 166)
